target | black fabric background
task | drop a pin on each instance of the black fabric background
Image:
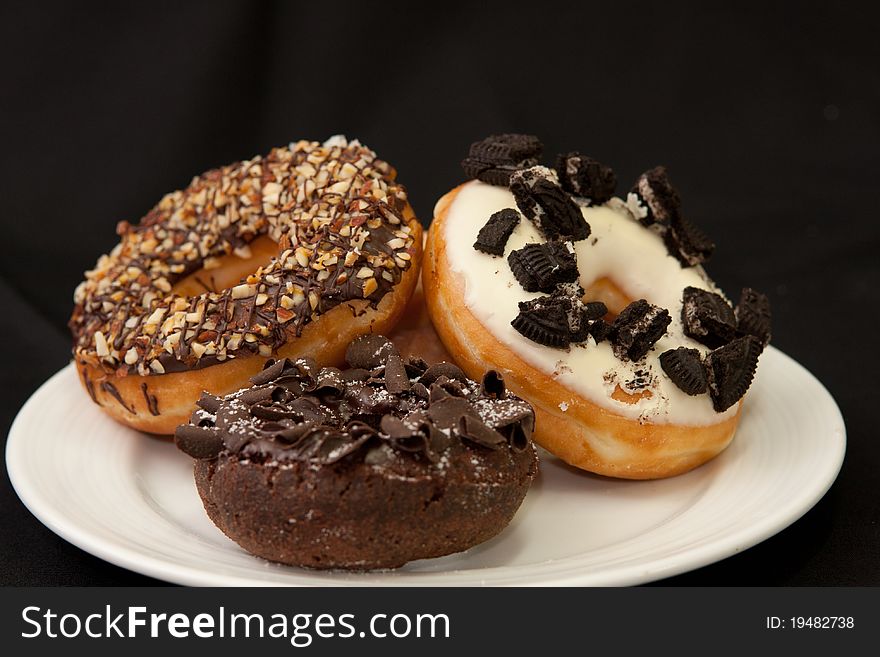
(768, 119)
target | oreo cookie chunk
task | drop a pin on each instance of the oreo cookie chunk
(687, 243)
(583, 176)
(494, 158)
(493, 237)
(707, 317)
(587, 319)
(544, 320)
(685, 367)
(731, 369)
(637, 328)
(561, 318)
(540, 197)
(541, 267)
(655, 199)
(753, 315)
(363, 468)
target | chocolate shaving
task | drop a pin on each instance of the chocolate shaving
(369, 351)
(473, 429)
(415, 366)
(355, 374)
(446, 412)
(199, 442)
(287, 433)
(209, 402)
(396, 378)
(437, 370)
(259, 394)
(518, 436)
(493, 385)
(271, 370)
(436, 393)
(329, 380)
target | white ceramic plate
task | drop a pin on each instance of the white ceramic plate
(131, 499)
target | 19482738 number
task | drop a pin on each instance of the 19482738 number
(822, 622)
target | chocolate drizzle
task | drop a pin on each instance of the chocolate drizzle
(295, 411)
(152, 402)
(111, 390)
(90, 387)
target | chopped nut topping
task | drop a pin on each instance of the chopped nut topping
(370, 286)
(243, 291)
(333, 209)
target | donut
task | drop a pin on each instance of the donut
(597, 309)
(293, 253)
(385, 462)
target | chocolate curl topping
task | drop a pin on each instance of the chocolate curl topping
(271, 370)
(396, 378)
(199, 442)
(448, 370)
(329, 381)
(383, 409)
(493, 385)
(474, 430)
(369, 351)
(209, 402)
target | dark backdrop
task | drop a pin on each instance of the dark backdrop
(768, 120)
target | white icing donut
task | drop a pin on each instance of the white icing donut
(590, 411)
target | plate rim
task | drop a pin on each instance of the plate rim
(629, 574)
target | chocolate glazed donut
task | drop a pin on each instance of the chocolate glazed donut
(370, 467)
(285, 255)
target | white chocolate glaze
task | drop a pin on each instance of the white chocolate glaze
(619, 248)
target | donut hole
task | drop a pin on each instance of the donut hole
(622, 395)
(228, 270)
(615, 299)
(605, 290)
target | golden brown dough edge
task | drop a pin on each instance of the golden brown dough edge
(324, 339)
(586, 436)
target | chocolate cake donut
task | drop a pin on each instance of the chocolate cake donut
(370, 467)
